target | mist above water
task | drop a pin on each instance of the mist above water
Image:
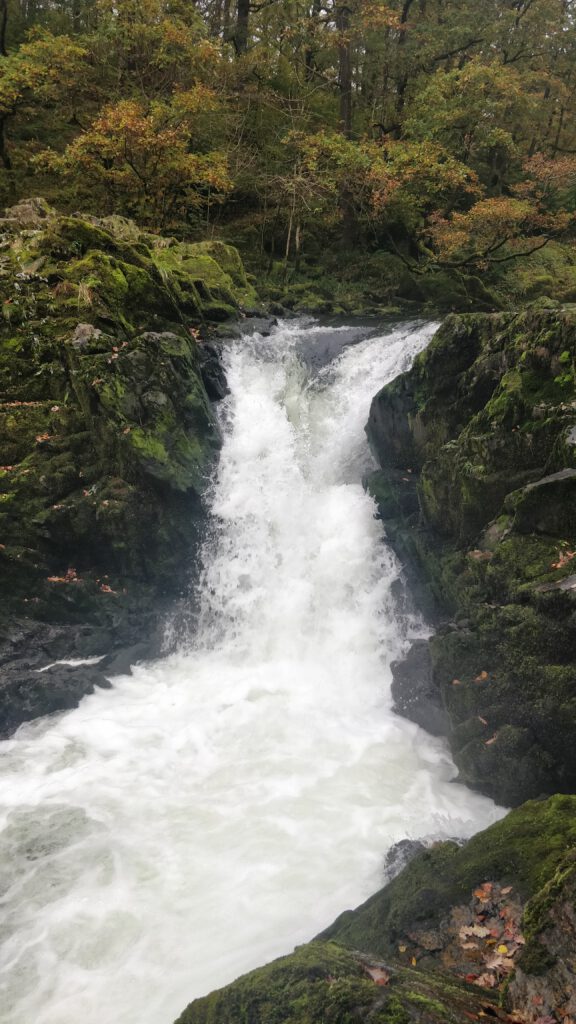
(225, 803)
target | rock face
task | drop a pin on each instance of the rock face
(107, 439)
(463, 933)
(477, 490)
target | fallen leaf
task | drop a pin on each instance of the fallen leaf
(481, 678)
(413, 961)
(506, 890)
(474, 929)
(379, 976)
(456, 682)
(483, 720)
(487, 980)
(402, 948)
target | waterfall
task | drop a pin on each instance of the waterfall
(225, 803)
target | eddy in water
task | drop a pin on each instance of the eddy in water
(222, 805)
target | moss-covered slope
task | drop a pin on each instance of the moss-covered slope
(323, 983)
(477, 445)
(107, 433)
(463, 933)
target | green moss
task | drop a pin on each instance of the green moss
(485, 421)
(98, 361)
(321, 983)
(524, 849)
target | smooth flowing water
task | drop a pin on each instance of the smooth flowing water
(225, 803)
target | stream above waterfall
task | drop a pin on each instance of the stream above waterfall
(225, 803)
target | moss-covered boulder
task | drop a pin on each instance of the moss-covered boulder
(477, 445)
(523, 850)
(107, 433)
(463, 933)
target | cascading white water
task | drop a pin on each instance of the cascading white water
(224, 804)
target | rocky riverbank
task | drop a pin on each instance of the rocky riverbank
(477, 490)
(108, 439)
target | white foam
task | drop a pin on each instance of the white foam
(73, 662)
(220, 806)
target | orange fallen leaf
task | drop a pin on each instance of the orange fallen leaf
(379, 976)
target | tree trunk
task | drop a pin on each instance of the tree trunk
(311, 47)
(3, 27)
(4, 154)
(240, 38)
(342, 20)
(226, 21)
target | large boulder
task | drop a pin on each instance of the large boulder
(108, 438)
(477, 486)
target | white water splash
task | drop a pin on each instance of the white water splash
(224, 804)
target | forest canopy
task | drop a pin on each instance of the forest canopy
(440, 132)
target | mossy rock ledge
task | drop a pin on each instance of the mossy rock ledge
(480, 932)
(108, 439)
(477, 444)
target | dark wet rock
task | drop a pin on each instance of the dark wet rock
(212, 372)
(546, 506)
(30, 693)
(121, 662)
(400, 855)
(415, 692)
(247, 327)
(476, 489)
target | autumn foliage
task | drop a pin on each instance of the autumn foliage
(442, 132)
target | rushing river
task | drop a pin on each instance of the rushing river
(219, 806)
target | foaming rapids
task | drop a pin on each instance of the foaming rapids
(224, 804)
